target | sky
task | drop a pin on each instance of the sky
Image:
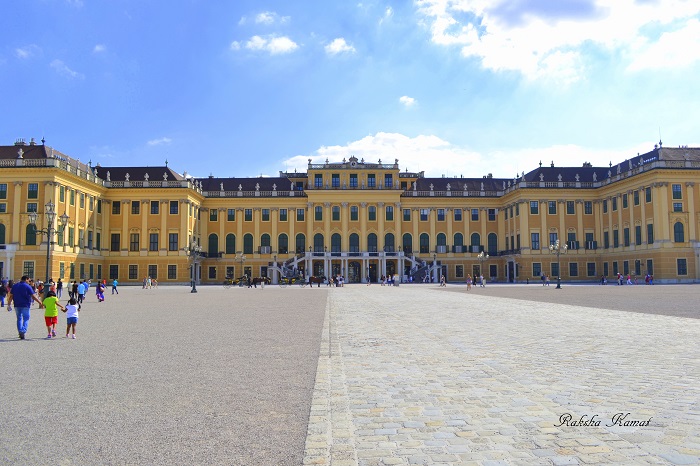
(449, 87)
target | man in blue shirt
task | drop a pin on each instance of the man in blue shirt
(82, 289)
(22, 295)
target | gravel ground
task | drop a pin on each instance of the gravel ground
(668, 300)
(163, 376)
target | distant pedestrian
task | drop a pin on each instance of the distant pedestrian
(100, 292)
(59, 289)
(543, 278)
(51, 306)
(114, 286)
(546, 279)
(82, 289)
(469, 282)
(3, 294)
(482, 281)
(22, 295)
(442, 280)
(71, 310)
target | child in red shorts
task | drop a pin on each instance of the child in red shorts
(51, 313)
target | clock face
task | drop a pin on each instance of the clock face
(353, 163)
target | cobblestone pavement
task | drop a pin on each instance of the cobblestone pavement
(417, 375)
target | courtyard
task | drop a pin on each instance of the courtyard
(367, 375)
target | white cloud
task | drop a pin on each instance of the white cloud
(99, 48)
(62, 69)
(437, 157)
(388, 13)
(407, 101)
(28, 51)
(673, 49)
(272, 44)
(159, 142)
(552, 39)
(339, 46)
(270, 17)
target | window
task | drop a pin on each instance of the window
(635, 197)
(3, 207)
(354, 213)
(389, 213)
(588, 207)
(682, 266)
(28, 268)
(32, 207)
(647, 194)
(552, 207)
(638, 235)
(624, 201)
(441, 215)
(678, 233)
(406, 215)
(174, 207)
(116, 207)
(335, 180)
(616, 238)
(424, 243)
(388, 180)
(353, 180)
(212, 273)
(135, 207)
(590, 269)
(61, 270)
(172, 272)
(3, 191)
(115, 242)
(134, 242)
(72, 197)
(248, 215)
(536, 269)
(81, 238)
(626, 236)
(570, 208)
(650, 233)
(282, 243)
(606, 240)
(553, 237)
(335, 213)
(371, 180)
(492, 244)
(517, 209)
(534, 207)
(213, 215)
(92, 203)
(605, 206)
(82, 200)
(675, 189)
(555, 269)
(71, 237)
(650, 267)
(493, 271)
(89, 243)
(98, 241)
(153, 242)
(265, 215)
(72, 271)
(283, 215)
(457, 215)
(318, 213)
(492, 215)
(614, 203)
(230, 247)
(573, 269)
(459, 271)
(33, 192)
(173, 242)
(424, 213)
(535, 240)
(300, 215)
(372, 213)
(133, 272)
(318, 181)
(61, 194)
(113, 272)
(30, 235)
(678, 207)
(606, 269)
(99, 206)
(231, 215)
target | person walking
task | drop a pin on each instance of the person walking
(546, 280)
(469, 282)
(3, 294)
(82, 289)
(22, 294)
(51, 306)
(483, 282)
(59, 289)
(71, 310)
(114, 286)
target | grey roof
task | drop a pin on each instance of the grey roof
(137, 173)
(247, 184)
(460, 184)
(34, 151)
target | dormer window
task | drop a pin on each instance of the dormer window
(318, 181)
(371, 180)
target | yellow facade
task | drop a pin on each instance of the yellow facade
(354, 218)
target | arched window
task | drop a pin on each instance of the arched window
(678, 233)
(407, 243)
(354, 243)
(247, 243)
(441, 239)
(318, 242)
(389, 242)
(300, 243)
(265, 240)
(336, 245)
(424, 243)
(31, 235)
(492, 244)
(213, 249)
(459, 242)
(372, 242)
(283, 243)
(475, 239)
(2, 233)
(230, 243)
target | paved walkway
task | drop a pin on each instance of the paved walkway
(420, 375)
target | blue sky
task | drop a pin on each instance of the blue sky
(449, 87)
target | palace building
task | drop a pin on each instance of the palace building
(352, 217)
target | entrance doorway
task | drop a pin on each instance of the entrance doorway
(511, 272)
(372, 272)
(390, 268)
(354, 275)
(318, 268)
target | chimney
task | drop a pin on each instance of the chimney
(32, 142)
(20, 142)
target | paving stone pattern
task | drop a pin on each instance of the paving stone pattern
(415, 375)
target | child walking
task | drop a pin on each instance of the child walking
(71, 310)
(51, 313)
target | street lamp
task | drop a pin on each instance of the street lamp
(194, 253)
(50, 232)
(557, 248)
(481, 257)
(240, 257)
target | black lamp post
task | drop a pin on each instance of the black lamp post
(50, 231)
(557, 249)
(194, 253)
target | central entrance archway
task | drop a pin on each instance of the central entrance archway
(354, 272)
